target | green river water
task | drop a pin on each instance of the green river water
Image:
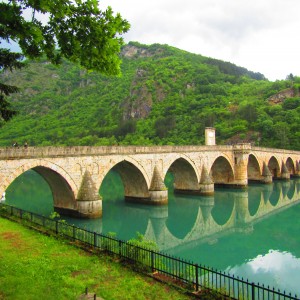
(252, 233)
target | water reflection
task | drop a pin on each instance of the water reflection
(251, 233)
(274, 269)
(223, 207)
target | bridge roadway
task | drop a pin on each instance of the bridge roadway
(75, 174)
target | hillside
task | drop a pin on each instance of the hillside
(164, 96)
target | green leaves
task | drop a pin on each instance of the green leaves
(76, 30)
(6, 112)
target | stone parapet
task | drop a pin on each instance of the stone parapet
(41, 152)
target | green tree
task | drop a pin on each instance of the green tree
(290, 78)
(77, 30)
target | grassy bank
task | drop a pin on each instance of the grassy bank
(36, 266)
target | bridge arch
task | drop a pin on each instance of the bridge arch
(290, 166)
(222, 171)
(274, 167)
(134, 179)
(253, 168)
(186, 177)
(112, 163)
(62, 186)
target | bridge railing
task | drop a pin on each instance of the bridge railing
(196, 277)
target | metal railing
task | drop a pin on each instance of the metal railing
(196, 277)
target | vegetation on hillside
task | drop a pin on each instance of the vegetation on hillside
(164, 96)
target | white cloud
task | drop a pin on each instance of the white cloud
(260, 35)
(276, 269)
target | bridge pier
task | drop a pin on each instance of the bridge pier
(156, 197)
(206, 183)
(157, 194)
(267, 175)
(285, 174)
(241, 154)
(297, 169)
(158, 191)
(89, 202)
(205, 187)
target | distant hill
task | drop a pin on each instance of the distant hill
(164, 96)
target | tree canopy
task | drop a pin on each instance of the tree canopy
(75, 29)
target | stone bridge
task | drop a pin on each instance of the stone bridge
(75, 174)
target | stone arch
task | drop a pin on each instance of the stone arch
(112, 163)
(168, 164)
(221, 171)
(40, 163)
(274, 167)
(253, 168)
(186, 178)
(60, 182)
(136, 187)
(290, 166)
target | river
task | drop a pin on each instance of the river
(252, 233)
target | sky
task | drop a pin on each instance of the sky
(260, 35)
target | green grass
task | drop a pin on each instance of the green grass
(36, 266)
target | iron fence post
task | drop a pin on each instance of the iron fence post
(152, 261)
(120, 248)
(95, 239)
(253, 291)
(197, 277)
(56, 227)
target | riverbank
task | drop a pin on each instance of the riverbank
(37, 266)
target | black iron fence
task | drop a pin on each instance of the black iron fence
(196, 277)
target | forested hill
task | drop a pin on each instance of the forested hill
(164, 96)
